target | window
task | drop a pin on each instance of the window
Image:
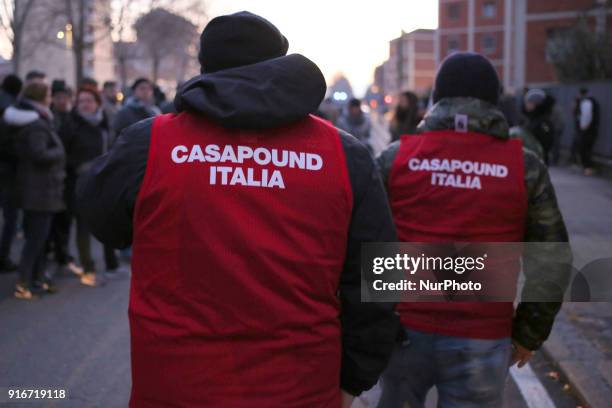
(454, 11)
(488, 44)
(489, 9)
(452, 45)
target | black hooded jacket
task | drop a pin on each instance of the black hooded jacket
(540, 124)
(41, 158)
(259, 96)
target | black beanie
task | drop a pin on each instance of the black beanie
(239, 39)
(467, 74)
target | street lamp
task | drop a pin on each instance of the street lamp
(69, 35)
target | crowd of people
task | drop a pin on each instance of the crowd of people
(534, 116)
(50, 135)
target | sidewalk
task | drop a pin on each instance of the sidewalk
(581, 341)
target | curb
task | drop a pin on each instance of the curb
(586, 368)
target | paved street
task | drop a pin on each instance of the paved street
(581, 342)
(78, 339)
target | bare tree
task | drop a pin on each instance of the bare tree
(580, 54)
(13, 17)
(87, 25)
(126, 13)
(174, 40)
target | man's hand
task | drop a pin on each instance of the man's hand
(520, 355)
(347, 399)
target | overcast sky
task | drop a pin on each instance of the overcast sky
(351, 36)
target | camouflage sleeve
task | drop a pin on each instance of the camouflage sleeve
(385, 161)
(547, 267)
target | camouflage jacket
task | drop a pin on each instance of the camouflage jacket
(544, 224)
(529, 140)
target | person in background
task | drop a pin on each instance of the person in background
(40, 182)
(537, 109)
(406, 116)
(588, 122)
(558, 121)
(110, 100)
(465, 349)
(509, 107)
(232, 313)
(86, 137)
(9, 91)
(59, 237)
(140, 105)
(355, 122)
(61, 101)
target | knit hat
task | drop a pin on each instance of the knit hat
(239, 39)
(467, 74)
(535, 96)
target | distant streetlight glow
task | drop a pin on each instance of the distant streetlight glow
(69, 35)
(60, 35)
(340, 96)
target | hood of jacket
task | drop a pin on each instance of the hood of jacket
(482, 117)
(19, 116)
(264, 95)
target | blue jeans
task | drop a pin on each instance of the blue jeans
(467, 373)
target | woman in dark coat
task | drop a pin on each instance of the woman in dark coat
(39, 182)
(86, 136)
(406, 116)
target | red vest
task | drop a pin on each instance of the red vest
(239, 243)
(447, 186)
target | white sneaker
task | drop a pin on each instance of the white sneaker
(21, 292)
(74, 268)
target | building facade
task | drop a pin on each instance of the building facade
(411, 64)
(513, 34)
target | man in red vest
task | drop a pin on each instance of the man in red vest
(464, 349)
(246, 216)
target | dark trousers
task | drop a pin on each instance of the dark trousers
(83, 238)
(60, 237)
(556, 149)
(36, 227)
(9, 229)
(587, 141)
